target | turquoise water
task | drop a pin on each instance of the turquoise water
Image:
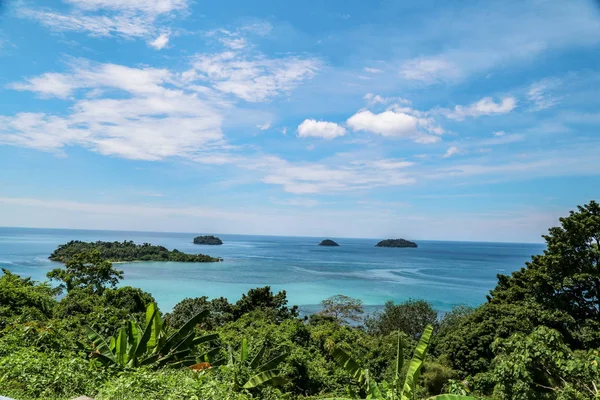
(444, 273)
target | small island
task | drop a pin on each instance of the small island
(328, 242)
(209, 239)
(126, 251)
(396, 243)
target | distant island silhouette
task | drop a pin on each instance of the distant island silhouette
(396, 243)
(209, 239)
(328, 242)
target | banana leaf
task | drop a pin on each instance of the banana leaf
(244, 350)
(145, 337)
(154, 324)
(416, 363)
(185, 330)
(121, 347)
(349, 364)
(101, 348)
(273, 363)
(256, 360)
(261, 378)
(204, 339)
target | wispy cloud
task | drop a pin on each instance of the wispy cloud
(265, 126)
(144, 118)
(128, 18)
(310, 178)
(374, 99)
(430, 70)
(539, 94)
(451, 152)
(483, 36)
(485, 106)
(254, 77)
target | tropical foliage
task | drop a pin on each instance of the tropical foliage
(126, 251)
(134, 347)
(536, 338)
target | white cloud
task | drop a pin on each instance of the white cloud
(153, 7)
(499, 133)
(307, 178)
(254, 78)
(451, 152)
(127, 18)
(49, 84)
(145, 120)
(95, 25)
(284, 130)
(265, 126)
(485, 106)
(377, 99)
(234, 43)
(392, 123)
(392, 164)
(539, 96)
(373, 70)
(430, 70)
(89, 75)
(160, 42)
(320, 129)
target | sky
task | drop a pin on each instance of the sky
(456, 120)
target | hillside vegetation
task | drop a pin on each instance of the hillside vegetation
(126, 251)
(536, 337)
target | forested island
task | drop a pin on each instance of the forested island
(537, 337)
(209, 240)
(396, 243)
(328, 242)
(126, 251)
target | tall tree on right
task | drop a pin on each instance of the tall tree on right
(559, 289)
(566, 277)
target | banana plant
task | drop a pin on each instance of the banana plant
(260, 373)
(133, 346)
(393, 391)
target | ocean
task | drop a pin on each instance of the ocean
(442, 272)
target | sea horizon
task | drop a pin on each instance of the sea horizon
(271, 235)
(445, 273)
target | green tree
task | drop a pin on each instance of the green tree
(88, 269)
(540, 366)
(264, 299)
(342, 308)
(410, 317)
(566, 277)
(22, 299)
(467, 347)
(396, 389)
(221, 311)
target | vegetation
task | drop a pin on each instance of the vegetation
(86, 270)
(536, 338)
(328, 242)
(210, 240)
(396, 243)
(342, 309)
(126, 251)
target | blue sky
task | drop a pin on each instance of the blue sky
(457, 120)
